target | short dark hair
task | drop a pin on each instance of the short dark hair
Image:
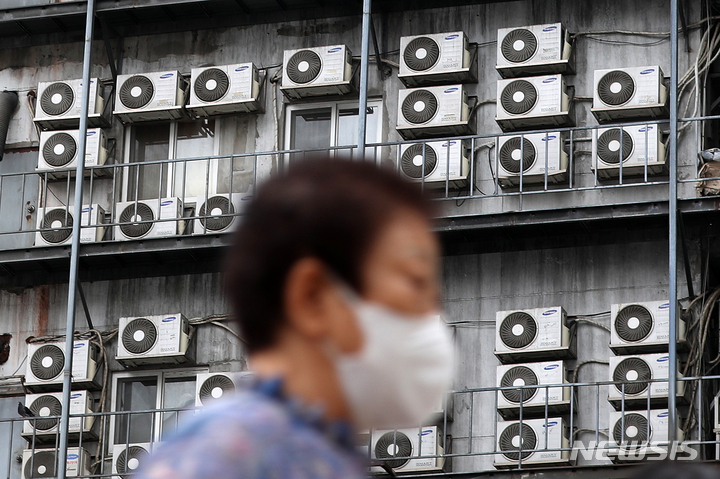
(329, 209)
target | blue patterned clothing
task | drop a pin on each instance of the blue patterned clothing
(258, 434)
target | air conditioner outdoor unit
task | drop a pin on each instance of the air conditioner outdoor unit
(642, 327)
(156, 339)
(533, 399)
(46, 405)
(149, 96)
(55, 224)
(403, 449)
(139, 220)
(629, 93)
(532, 102)
(634, 437)
(215, 213)
(539, 152)
(633, 375)
(533, 334)
(210, 387)
(127, 458)
(435, 161)
(59, 151)
(46, 362)
(433, 111)
(436, 59)
(58, 104)
(317, 71)
(224, 89)
(635, 144)
(537, 450)
(43, 463)
(534, 50)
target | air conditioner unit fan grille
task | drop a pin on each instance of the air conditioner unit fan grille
(421, 54)
(510, 441)
(519, 45)
(519, 375)
(139, 335)
(136, 92)
(633, 323)
(414, 155)
(211, 210)
(303, 67)
(216, 387)
(518, 330)
(129, 460)
(636, 430)
(140, 217)
(42, 464)
(391, 445)
(616, 88)
(47, 362)
(59, 150)
(57, 98)
(609, 143)
(511, 149)
(211, 85)
(419, 106)
(57, 225)
(633, 374)
(518, 97)
(45, 406)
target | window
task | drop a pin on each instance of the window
(149, 390)
(327, 125)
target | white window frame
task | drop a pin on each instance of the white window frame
(172, 151)
(335, 107)
(161, 375)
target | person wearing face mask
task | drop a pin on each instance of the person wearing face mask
(334, 279)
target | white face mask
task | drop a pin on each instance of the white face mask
(401, 374)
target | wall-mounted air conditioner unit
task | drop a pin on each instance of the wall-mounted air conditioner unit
(533, 102)
(629, 93)
(437, 59)
(43, 463)
(58, 104)
(533, 400)
(635, 144)
(215, 213)
(633, 375)
(149, 96)
(127, 458)
(45, 406)
(435, 161)
(224, 89)
(58, 151)
(533, 334)
(317, 71)
(534, 50)
(643, 327)
(635, 437)
(403, 450)
(210, 387)
(517, 440)
(538, 151)
(139, 220)
(46, 362)
(156, 339)
(55, 224)
(433, 111)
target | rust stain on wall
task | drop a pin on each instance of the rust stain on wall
(42, 306)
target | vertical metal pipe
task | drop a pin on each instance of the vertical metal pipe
(75, 251)
(672, 213)
(364, 60)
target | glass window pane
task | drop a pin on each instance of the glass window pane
(149, 143)
(195, 139)
(135, 394)
(348, 128)
(310, 129)
(178, 392)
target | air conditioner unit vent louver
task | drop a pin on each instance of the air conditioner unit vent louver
(519, 45)
(128, 458)
(419, 107)
(534, 50)
(629, 93)
(533, 334)
(47, 362)
(421, 53)
(507, 157)
(211, 85)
